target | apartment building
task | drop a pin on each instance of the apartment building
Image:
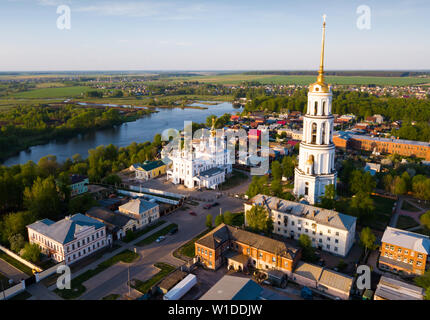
(328, 230)
(247, 248)
(404, 251)
(69, 239)
(419, 149)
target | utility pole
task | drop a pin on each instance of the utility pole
(129, 284)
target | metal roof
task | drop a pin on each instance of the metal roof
(319, 215)
(63, 231)
(407, 239)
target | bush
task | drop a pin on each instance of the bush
(31, 252)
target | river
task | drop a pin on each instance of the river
(123, 135)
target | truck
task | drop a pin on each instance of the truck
(178, 291)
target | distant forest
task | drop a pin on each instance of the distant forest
(380, 73)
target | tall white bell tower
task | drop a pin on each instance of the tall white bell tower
(316, 158)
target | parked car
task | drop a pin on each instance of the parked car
(173, 231)
(207, 206)
(193, 213)
(215, 204)
(160, 238)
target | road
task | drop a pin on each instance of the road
(11, 272)
(114, 279)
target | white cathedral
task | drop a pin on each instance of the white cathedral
(316, 168)
(206, 164)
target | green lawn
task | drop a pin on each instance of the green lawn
(77, 288)
(144, 286)
(63, 92)
(380, 216)
(406, 222)
(134, 235)
(16, 263)
(153, 237)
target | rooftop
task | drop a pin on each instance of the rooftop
(224, 233)
(108, 216)
(149, 165)
(233, 288)
(392, 289)
(64, 231)
(336, 280)
(138, 206)
(319, 215)
(407, 239)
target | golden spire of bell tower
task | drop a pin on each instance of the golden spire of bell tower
(320, 78)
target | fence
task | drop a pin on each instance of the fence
(138, 194)
(17, 257)
(13, 291)
(158, 192)
(44, 274)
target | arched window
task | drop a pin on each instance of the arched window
(314, 133)
(323, 108)
(323, 134)
(316, 108)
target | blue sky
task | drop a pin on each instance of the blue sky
(212, 35)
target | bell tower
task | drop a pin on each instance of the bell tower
(316, 158)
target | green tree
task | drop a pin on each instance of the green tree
(16, 242)
(42, 198)
(288, 166)
(327, 201)
(209, 220)
(399, 186)
(15, 223)
(276, 187)
(362, 182)
(257, 218)
(31, 252)
(425, 219)
(112, 179)
(228, 218)
(219, 219)
(367, 239)
(308, 252)
(362, 204)
(276, 170)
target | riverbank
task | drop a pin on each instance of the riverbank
(141, 130)
(61, 135)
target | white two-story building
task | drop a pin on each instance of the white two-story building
(328, 230)
(69, 239)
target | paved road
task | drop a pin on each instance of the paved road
(39, 292)
(114, 279)
(11, 272)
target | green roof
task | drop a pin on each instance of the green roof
(151, 165)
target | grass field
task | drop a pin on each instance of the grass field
(406, 222)
(154, 236)
(144, 286)
(305, 80)
(44, 93)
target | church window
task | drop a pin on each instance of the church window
(314, 132)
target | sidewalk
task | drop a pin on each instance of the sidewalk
(109, 255)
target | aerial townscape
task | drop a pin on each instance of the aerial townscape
(215, 185)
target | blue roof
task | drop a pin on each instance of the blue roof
(63, 231)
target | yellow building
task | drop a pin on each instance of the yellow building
(149, 169)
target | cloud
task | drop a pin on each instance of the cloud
(160, 10)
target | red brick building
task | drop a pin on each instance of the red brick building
(244, 247)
